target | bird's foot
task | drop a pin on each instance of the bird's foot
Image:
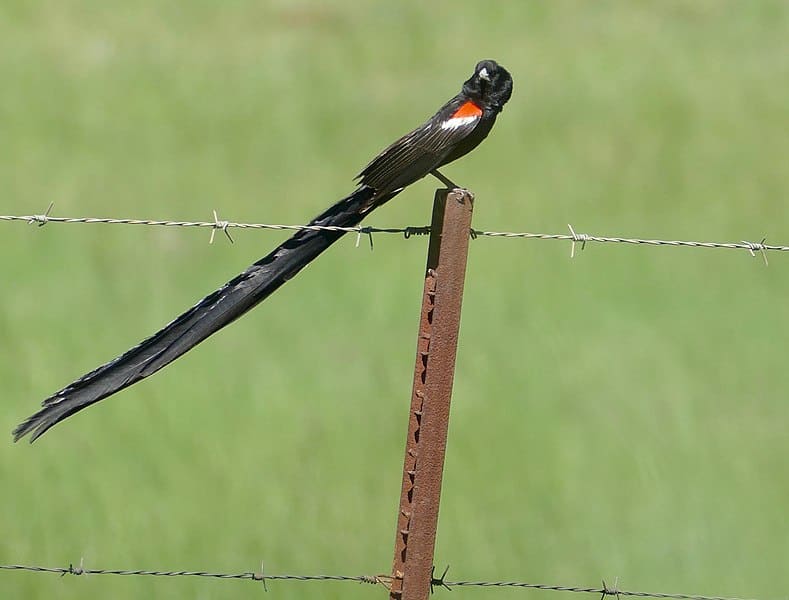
(452, 186)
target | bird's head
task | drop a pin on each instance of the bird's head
(490, 85)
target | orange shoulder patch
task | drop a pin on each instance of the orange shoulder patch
(467, 109)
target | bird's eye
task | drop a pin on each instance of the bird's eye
(483, 74)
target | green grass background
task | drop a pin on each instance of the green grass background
(620, 414)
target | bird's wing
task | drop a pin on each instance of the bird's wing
(417, 153)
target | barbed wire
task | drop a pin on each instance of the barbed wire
(575, 238)
(384, 580)
(253, 575)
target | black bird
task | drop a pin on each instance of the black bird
(457, 128)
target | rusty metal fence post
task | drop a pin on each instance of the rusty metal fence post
(439, 324)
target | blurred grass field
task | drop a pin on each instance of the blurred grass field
(619, 414)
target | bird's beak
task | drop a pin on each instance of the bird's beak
(483, 74)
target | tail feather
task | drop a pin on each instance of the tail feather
(206, 317)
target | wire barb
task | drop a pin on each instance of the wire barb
(610, 591)
(438, 581)
(577, 238)
(760, 247)
(72, 570)
(260, 576)
(41, 220)
(223, 225)
(368, 231)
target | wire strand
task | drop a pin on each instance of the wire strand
(384, 580)
(407, 232)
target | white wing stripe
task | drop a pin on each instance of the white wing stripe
(456, 122)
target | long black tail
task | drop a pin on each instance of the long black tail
(208, 316)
